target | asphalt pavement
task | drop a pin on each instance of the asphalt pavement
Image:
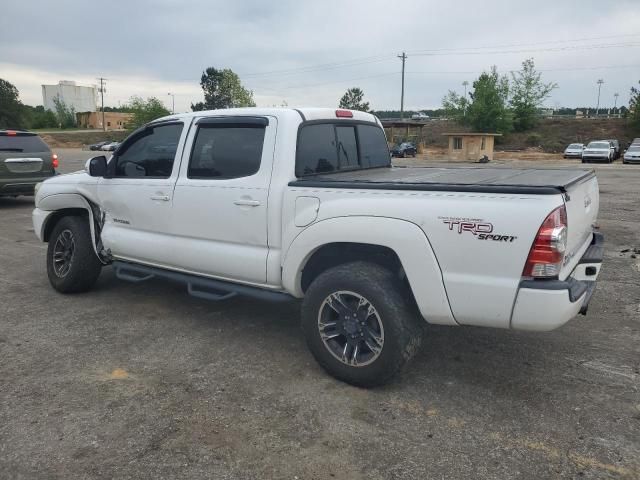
(142, 381)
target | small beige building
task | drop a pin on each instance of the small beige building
(113, 120)
(471, 146)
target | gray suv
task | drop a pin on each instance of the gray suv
(24, 161)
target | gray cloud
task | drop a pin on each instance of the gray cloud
(151, 47)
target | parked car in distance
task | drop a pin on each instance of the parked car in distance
(635, 141)
(99, 145)
(110, 147)
(260, 202)
(616, 146)
(25, 160)
(419, 116)
(632, 155)
(404, 149)
(598, 150)
(574, 150)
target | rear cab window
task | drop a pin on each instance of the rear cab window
(22, 143)
(325, 147)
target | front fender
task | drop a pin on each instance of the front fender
(406, 239)
(49, 205)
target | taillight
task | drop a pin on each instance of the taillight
(344, 114)
(547, 251)
(54, 160)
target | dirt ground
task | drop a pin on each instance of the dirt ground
(141, 381)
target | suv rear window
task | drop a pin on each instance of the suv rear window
(22, 143)
(331, 147)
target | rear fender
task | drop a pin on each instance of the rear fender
(406, 239)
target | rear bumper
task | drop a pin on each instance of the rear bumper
(21, 186)
(543, 305)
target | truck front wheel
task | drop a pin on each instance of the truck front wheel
(359, 324)
(72, 265)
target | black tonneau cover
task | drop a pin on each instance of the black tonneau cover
(539, 181)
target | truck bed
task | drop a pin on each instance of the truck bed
(540, 181)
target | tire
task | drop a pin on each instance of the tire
(72, 265)
(394, 322)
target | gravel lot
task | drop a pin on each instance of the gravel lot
(143, 381)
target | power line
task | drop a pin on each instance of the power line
(568, 69)
(533, 50)
(548, 42)
(389, 56)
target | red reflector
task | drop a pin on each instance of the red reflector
(344, 114)
(11, 132)
(54, 161)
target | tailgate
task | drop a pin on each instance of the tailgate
(582, 202)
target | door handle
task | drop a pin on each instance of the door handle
(247, 203)
(163, 198)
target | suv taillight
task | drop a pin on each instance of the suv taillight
(54, 161)
(547, 251)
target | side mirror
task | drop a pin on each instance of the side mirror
(97, 166)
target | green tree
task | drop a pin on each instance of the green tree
(65, 115)
(455, 106)
(488, 110)
(38, 117)
(353, 99)
(528, 91)
(222, 89)
(634, 107)
(144, 111)
(11, 113)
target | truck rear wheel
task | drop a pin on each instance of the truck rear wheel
(72, 265)
(359, 324)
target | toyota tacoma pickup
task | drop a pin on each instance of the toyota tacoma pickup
(305, 203)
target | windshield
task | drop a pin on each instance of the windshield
(598, 145)
(575, 145)
(634, 148)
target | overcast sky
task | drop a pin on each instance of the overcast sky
(308, 53)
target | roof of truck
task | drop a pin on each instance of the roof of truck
(305, 113)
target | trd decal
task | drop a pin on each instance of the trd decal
(477, 227)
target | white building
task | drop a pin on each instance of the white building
(81, 98)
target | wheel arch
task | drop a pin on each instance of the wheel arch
(62, 205)
(393, 242)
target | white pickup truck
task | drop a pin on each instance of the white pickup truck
(304, 203)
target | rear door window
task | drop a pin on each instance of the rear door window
(22, 144)
(225, 152)
(329, 147)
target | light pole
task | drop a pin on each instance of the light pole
(173, 102)
(464, 111)
(615, 101)
(599, 82)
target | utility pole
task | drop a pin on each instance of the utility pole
(403, 57)
(102, 90)
(464, 84)
(173, 102)
(599, 82)
(615, 101)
